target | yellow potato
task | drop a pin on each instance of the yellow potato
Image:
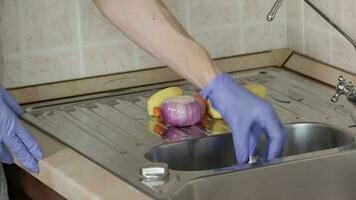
(257, 89)
(156, 99)
(218, 127)
(212, 112)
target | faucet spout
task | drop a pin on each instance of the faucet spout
(272, 14)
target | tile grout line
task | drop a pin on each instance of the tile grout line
(65, 49)
(330, 31)
(303, 25)
(22, 53)
(249, 24)
(187, 16)
(242, 27)
(42, 51)
(79, 38)
(286, 24)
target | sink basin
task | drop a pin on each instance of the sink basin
(327, 178)
(218, 151)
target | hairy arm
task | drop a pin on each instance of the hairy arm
(150, 25)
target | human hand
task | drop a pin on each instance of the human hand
(14, 137)
(247, 116)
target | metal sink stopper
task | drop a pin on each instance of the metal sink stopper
(344, 88)
(154, 172)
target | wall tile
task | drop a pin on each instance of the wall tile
(346, 16)
(109, 58)
(221, 42)
(44, 45)
(2, 62)
(295, 36)
(49, 68)
(211, 13)
(48, 23)
(321, 40)
(178, 9)
(258, 10)
(10, 26)
(353, 28)
(343, 53)
(294, 10)
(265, 37)
(145, 60)
(13, 73)
(313, 18)
(95, 26)
(317, 44)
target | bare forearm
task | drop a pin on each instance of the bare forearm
(151, 26)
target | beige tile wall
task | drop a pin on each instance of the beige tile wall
(2, 64)
(52, 40)
(308, 33)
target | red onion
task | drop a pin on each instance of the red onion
(174, 134)
(182, 111)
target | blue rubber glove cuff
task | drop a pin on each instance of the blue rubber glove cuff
(206, 92)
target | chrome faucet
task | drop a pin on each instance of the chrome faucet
(345, 88)
(272, 14)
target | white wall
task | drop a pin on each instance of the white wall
(52, 40)
(308, 33)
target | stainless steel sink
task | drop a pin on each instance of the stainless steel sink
(218, 151)
(324, 178)
(113, 130)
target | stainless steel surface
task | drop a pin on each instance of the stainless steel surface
(345, 88)
(114, 131)
(325, 178)
(218, 151)
(352, 99)
(154, 172)
(271, 15)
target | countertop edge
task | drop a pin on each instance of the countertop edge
(62, 170)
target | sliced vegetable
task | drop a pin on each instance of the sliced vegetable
(205, 121)
(155, 127)
(156, 99)
(257, 89)
(156, 111)
(182, 111)
(203, 102)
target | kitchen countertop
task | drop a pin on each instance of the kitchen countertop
(75, 177)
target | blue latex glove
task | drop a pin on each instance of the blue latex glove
(14, 137)
(247, 116)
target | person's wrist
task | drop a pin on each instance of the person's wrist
(213, 84)
(208, 74)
